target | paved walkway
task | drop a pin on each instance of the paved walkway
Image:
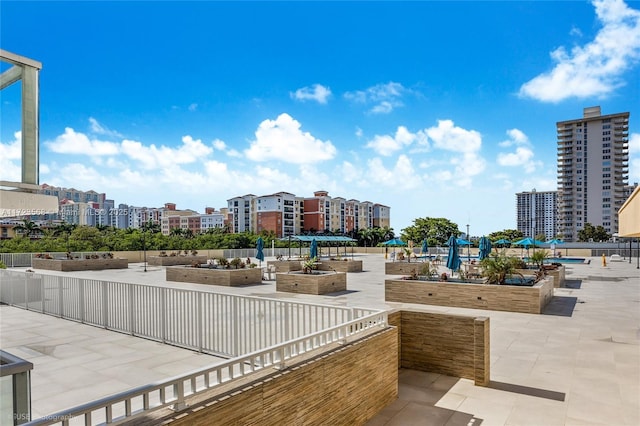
(578, 364)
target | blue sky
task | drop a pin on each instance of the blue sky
(436, 109)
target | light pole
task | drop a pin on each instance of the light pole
(468, 245)
(144, 246)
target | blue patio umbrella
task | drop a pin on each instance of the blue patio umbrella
(395, 242)
(527, 242)
(555, 241)
(425, 247)
(259, 250)
(462, 242)
(453, 259)
(485, 248)
(502, 241)
(313, 250)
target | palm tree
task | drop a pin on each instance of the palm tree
(64, 229)
(28, 228)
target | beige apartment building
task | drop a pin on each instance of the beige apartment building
(286, 214)
(593, 171)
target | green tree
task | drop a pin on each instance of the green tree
(541, 237)
(436, 230)
(595, 233)
(507, 234)
(27, 228)
(64, 230)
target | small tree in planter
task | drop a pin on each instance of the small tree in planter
(223, 262)
(237, 263)
(538, 258)
(309, 265)
(498, 267)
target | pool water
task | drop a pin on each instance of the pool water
(565, 260)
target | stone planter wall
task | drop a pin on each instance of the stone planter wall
(454, 345)
(285, 265)
(318, 283)
(346, 386)
(402, 268)
(175, 260)
(66, 265)
(224, 277)
(340, 265)
(508, 298)
(557, 274)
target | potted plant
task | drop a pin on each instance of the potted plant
(309, 265)
(498, 267)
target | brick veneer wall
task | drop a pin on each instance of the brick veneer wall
(454, 345)
(311, 283)
(79, 264)
(402, 268)
(340, 265)
(347, 386)
(286, 265)
(225, 277)
(467, 295)
(175, 260)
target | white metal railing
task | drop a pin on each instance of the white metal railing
(219, 324)
(173, 392)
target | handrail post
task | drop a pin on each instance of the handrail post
(178, 389)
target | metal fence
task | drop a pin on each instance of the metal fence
(220, 324)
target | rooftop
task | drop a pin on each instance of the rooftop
(578, 363)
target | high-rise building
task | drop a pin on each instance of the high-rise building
(593, 168)
(536, 213)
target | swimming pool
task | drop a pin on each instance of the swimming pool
(565, 260)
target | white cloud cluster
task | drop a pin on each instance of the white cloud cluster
(99, 129)
(9, 154)
(386, 145)
(446, 135)
(594, 69)
(383, 97)
(152, 157)
(523, 154)
(317, 92)
(72, 142)
(281, 139)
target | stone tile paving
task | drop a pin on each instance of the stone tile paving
(577, 364)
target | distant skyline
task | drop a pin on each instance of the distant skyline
(435, 109)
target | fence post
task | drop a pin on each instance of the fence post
(105, 305)
(81, 300)
(199, 321)
(60, 297)
(163, 313)
(131, 309)
(236, 326)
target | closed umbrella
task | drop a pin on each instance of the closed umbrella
(485, 248)
(313, 250)
(453, 260)
(425, 247)
(259, 250)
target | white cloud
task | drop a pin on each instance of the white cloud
(401, 176)
(152, 157)
(72, 142)
(387, 145)
(634, 143)
(99, 129)
(219, 144)
(594, 69)
(451, 138)
(522, 156)
(467, 167)
(359, 132)
(385, 97)
(192, 107)
(516, 137)
(10, 155)
(281, 139)
(317, 92)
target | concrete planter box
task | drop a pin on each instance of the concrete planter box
(285, 265)
(402, 268)
(557, 274)
(317, 283)
(66, 265)
(340, 265)
(175, 260)
(224, 277)
(508, 298)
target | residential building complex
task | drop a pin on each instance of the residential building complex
(286, 214)
(593, 161)
(536, 213)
